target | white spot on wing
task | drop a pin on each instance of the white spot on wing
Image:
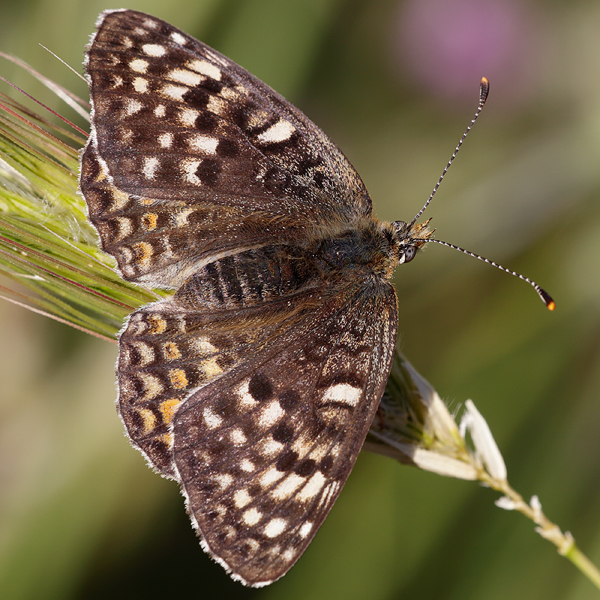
(224, 480)
(184, 76)
(150, 23)
(216, 105)
(275, 527)
(342, 392)
(305, 529)
(165, 140)
(237, 436)
(188, 170)
(155, 50)
(204, 143)
(160, 111)
(153, 386)
(270, 414)
(149, 167)
(247, 465)
(210, 368)
(241, 498)
(288, 486)
(205, 68)
(270, 447)
(313, 487)
(229, 93)
(251, 516)
(174, 92)
(271, 476)
(319, 452)
(281, 131)
(140, 85)
(188, 116)
(212, 419)
(180, 220)
(132, 106)
(246, 399)
(202, 345)
(289, 554)
(303, 445)
(178, 38)
(139, 65)
(146, 353)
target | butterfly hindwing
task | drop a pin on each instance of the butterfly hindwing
(262, 457)
(166, 352)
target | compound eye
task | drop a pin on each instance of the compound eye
(409, 253)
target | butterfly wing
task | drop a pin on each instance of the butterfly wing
(258, 412)
(263, 452)
(190, 155)
(171, 348)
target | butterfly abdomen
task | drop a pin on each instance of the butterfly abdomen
(248, 278)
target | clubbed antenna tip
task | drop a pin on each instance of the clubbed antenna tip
(484, 90)
(546, 298)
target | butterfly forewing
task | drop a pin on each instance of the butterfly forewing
(255, 383)
(160, 242)
(179, 127)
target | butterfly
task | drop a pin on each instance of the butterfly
(254, 384)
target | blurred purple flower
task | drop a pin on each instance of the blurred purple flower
(448, 45)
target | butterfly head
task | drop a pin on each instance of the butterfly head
(409, 238)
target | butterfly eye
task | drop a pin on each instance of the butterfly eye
(409, 254)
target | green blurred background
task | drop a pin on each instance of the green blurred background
(394, 84)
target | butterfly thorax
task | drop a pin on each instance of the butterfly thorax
(373, 248)
(369, 249)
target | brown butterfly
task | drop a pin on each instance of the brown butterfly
(255, 383)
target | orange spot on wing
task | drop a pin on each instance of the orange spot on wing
(149, 221)
(168, 409)
(143, 251)
(157, 324)
(178, 379)
(171, 351)
(149, 419)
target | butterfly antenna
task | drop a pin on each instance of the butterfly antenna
(542, 293)
(484, 89)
